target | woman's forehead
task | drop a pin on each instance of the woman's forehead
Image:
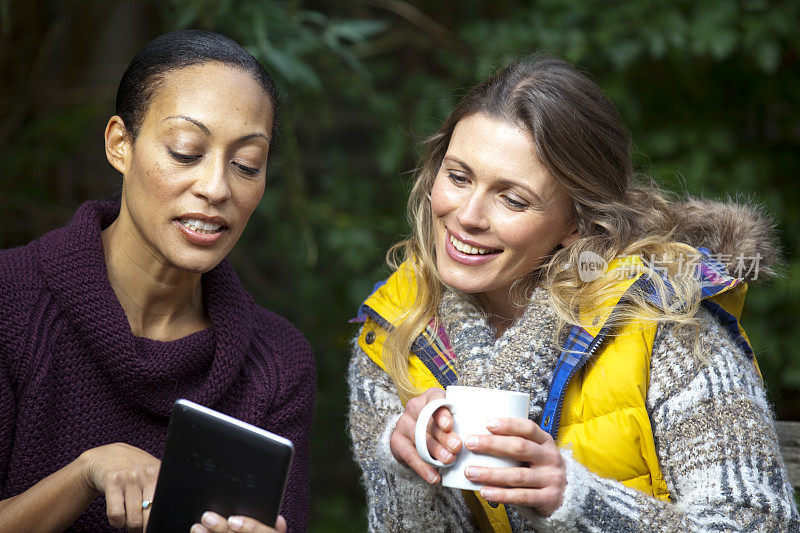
(495, 147)
(212, 93)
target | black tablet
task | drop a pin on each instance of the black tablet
(213, 462)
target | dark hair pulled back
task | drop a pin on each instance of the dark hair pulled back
(176, 50)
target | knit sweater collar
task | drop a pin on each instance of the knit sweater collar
(463, 319)
(526, 352)
(201, 367)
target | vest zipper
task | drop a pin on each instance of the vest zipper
(598, 340)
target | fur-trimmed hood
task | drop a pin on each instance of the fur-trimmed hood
(732, 231)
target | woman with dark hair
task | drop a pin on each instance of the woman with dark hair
(132, 305)
(537, 264)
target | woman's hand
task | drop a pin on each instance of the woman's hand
(126, 475)
(214, 523)
(541, 480)
(443, 443)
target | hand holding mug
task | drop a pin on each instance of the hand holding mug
(441, 440)
(471, 408)
(506, 456)
(540, 480)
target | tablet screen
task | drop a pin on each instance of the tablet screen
(213, 462)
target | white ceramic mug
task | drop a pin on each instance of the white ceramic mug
(471, 407)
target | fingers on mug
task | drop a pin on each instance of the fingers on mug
(424, 418)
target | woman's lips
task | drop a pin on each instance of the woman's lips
(465, 258)
(189, 228)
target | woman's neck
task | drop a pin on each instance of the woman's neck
(501, 310)
(160, 301)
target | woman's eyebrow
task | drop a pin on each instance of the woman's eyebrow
(193, 121)
(208, 132)
(252, 136)
(458, 162)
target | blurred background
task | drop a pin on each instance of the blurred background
(709, 88)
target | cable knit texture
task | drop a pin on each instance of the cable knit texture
(713, 429)
(73, 376)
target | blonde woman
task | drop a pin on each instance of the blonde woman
(537, 264)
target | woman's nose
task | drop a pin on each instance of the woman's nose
(472, 213)
(212, 184)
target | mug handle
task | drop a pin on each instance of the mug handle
(421, 429)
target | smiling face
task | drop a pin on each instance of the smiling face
(497, 211)
(197, 169)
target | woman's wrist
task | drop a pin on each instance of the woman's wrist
(564, 518)
(83, 473)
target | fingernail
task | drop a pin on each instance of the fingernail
(471, 442)
(493, 424)
(209, 519)
(471, 471)
(487, 494)
(446, 456)
(235, 522)
(432, 477)
(453, 443)
(197, 528)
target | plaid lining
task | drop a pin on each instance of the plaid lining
(435, 351)
(714, 278)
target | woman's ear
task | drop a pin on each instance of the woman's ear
(118, 144)
(570, 235)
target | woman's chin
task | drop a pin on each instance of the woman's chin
(195, 258)
(463, 284)
(197, 263)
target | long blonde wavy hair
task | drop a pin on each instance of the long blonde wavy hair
(579, 138)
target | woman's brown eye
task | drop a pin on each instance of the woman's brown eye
(515, 204)
(456, 178)
(250, 171)
(183, 158)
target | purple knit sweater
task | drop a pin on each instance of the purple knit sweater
(73, 376)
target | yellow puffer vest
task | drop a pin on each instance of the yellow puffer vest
(599, 389)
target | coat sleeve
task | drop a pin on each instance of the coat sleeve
(291, 416)
(397, 498)
(716, 444)
(19, 289)
(8, 416)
